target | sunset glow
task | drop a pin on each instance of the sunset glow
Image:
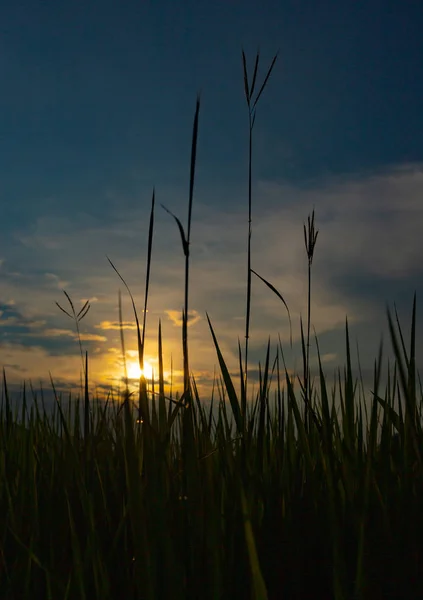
(134, 371)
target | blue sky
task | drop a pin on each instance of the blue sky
(97, 107)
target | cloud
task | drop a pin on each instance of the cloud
(49, 333)
(176, 317)
(56, 280)
(116, 325)
(368, 252)
(330, 357)
(13, 320)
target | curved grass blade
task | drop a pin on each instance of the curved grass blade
(133, 305)
(185, 245)
(233, 399)
(272, 287)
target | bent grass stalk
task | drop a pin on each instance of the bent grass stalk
(251, 104)
(186, 240)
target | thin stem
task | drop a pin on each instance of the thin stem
(249, 92)
(310, 237)
(248, 310)
(187, 253)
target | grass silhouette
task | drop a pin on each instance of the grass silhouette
(164, 497)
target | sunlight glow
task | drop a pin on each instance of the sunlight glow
(134, 371)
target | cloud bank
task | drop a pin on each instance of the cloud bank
(368, 253)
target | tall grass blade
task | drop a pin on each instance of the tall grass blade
(349, 394)
(186, 238)
(192, 166)
(242, 383)
(251, 121)
(147, 276)
(233, 399)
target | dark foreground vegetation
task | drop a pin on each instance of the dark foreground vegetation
(289, 495)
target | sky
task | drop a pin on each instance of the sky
(97, 109)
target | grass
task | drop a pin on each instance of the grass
(165, 497)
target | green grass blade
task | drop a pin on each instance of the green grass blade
(259, 591)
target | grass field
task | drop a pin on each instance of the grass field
(273, 494)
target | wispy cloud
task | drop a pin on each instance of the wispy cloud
(176, 317)
(116, 325)
(51, 333)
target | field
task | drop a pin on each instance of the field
(272, 494)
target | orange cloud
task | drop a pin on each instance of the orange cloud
(115, 325)
(176, 317)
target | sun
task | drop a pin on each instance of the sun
(134, 371)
